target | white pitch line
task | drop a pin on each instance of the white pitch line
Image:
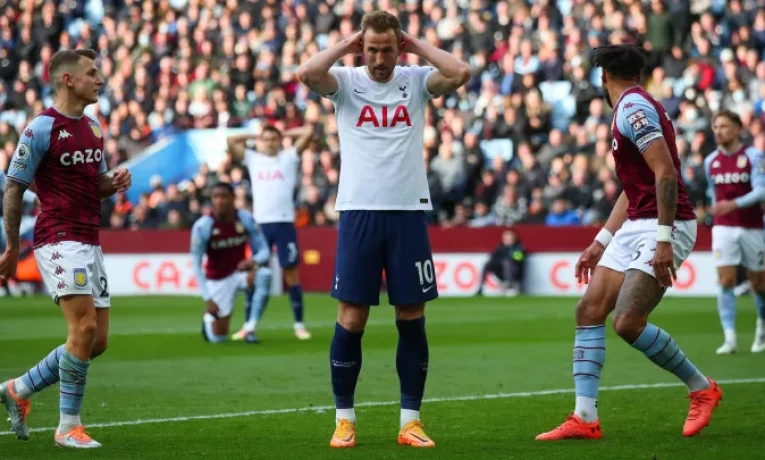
(522, 394)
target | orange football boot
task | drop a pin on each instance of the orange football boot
(413, 435)
(573, 428)
(703, 403)
(345, 435)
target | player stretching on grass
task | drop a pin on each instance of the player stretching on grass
(382, 201)
(62, 151)
(653, 229)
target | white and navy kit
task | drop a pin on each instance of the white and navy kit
(383, 191)
(274, 181)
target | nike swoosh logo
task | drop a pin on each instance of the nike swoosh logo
(357, 91)
(424, 290)
(417, 437)
(350, 438)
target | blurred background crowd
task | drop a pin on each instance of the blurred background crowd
(526, 140)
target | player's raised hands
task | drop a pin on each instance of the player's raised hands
(355, 43)
(663, 264)
(8, 261)
(408, 43)
(122, 179)
(588, 261)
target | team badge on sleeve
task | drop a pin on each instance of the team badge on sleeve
(96, 129)
(638, 120)
(80, 277)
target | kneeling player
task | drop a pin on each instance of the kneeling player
(223, 237)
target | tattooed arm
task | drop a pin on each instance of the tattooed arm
(658, 157)
(12, 207)
(660, 161)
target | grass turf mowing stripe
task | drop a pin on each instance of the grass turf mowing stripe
(522, 394)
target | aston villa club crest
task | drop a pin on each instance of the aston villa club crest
(239, 227)
(80, 277)
(741, 162)
(96, 129)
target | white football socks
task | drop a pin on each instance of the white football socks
(697, 382)
(348, 414)
(730, 336)
(67, 422)
(408, 415)
(586, 408)
(250, 325)
(22, 392)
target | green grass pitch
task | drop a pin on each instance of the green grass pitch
(492, 362)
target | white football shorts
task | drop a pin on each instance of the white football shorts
(71, 268)
(634, 245)
(223, 292)
(734, 246)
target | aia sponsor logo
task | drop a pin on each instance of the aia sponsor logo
(384, 119)
(267, 176)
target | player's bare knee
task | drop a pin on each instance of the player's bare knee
(82, 333)
(629, 326)
(757, 280)
(727, 282)
(590, 312)
(100, 344)
(86, 327)
(352, 317)
(408, 313)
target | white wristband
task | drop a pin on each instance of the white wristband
(604, 237)
(664, 233)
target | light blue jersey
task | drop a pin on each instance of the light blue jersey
(638, 121)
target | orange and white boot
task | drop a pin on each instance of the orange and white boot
(76, 438)
(18, 409)
(703, 403)
(573, 428)
(345, 435)
(413, 435)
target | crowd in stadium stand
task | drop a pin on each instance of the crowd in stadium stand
(526, 140)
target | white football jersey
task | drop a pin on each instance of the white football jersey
(381, 128)
(273, 184)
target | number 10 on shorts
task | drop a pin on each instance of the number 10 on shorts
(425, 270)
